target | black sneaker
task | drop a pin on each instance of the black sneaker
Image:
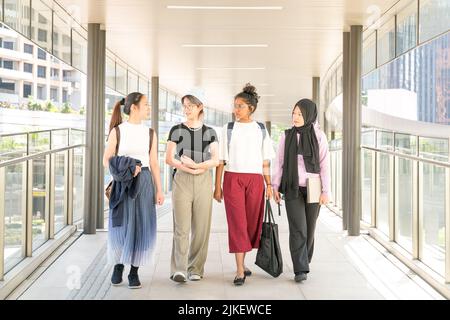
(300, 276)
(239, 281)
(133, 281)
(116, 278)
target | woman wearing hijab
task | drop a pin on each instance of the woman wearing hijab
(302, 154)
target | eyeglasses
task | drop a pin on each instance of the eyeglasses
(189, 106)
(240, 106)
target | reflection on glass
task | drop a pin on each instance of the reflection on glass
(406, 28)
(121, 79)
(369, 54)
(60, 138)
(79, 51)
(60, 187)
(41, 31)
(132, 82)
(367, 179)
(15, 202)
(433, 217)
(39, 142)
(434, 18)
(368, 138)
(17, 16)
(435, 149)
(404, 203)
(384, 190)
(385, 140)
(39, 203)
(405, 143)
(386, 42)
(78, 184)
(61, 38)
(13, 147)
(110, 70)
(414, 86)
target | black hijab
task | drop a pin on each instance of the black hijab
(307, 146)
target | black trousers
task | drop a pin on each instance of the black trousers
(302, 218)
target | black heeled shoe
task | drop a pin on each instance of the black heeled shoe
(239, 281)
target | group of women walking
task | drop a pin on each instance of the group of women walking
(242, 159)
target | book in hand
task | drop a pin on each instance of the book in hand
(314, 189)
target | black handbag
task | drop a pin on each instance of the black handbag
(269, 256)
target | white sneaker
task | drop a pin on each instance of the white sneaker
(195, 277)
(179, 277)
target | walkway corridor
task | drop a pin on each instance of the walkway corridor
(343, 268)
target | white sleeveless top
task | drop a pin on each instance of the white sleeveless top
(135, 142)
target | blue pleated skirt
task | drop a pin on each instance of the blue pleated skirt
(133, 242)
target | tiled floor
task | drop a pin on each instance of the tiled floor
(343, 268)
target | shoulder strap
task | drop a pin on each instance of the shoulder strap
(118, 139)
(263, 129)
(151, 140)
(229, 132)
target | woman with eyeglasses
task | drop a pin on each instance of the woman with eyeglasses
(245, 153)
(302, 154)
(131, 156)
(192, 149)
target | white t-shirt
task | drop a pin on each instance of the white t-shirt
(247, 150)
(135, 142)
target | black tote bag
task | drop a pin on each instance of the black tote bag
(269, 257)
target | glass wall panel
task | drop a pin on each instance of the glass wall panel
(60, 191)
(39, 204)
(405, 143)
(434, 18)
(404, 203)
(367, 180)
(110, 73)
(407, 28)
(433, 217)
(61, 38)
(369, 53)
(434, 149)
(17, 15)
(163, 100)
(144, 88)
(79, 51)
(384, 192)
(41, 25)
(121, 78)
(414, 86)
(78, 184)
(132, 82)
(15, 215)
(385, 140)
(386, 42)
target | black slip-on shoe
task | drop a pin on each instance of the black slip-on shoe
(133, 281)
(116, 278)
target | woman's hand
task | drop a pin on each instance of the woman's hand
(277, 197)
(159, 198)
(188, 162)
(324, 200)
(137, 171)
(199, 171)
(269, 193)
(218, 195)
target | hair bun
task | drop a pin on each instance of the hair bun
(251, 90)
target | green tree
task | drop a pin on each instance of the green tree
(67, 108)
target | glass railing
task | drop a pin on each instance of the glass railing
(405, 192)
(41, 190)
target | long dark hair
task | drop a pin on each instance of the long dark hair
(116, 118)
(249, 95)
(194, 100)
